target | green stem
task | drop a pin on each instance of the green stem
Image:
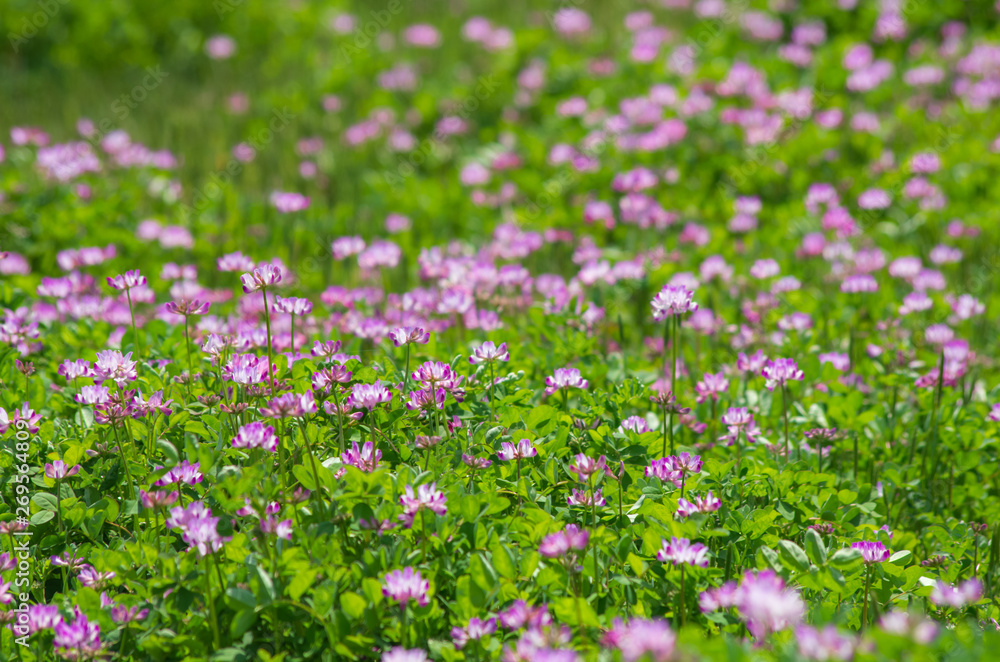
(312, 462)
(211, 606)
(784, 407)
(135, 331)
(406, 373)
(267, 324)
(340, 423)
(683, 608)
(864, 607)
(493, 410)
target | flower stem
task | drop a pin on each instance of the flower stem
(135, 331)
(267, 324)
(211, 606)
(784, 407)
(312, 462)
(493, 410)
(681, 600)
(864, 607)
(406, 373)
(340, 422)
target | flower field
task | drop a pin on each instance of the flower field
(500, 331)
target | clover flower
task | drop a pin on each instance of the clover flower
(682, 551)
(402, 586)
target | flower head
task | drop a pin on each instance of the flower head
(78, 640)
(871, 552)
(256, 435)
(59, 470)
(565, 378)
(262, 277)
(475, 630)
(368, 396)
(488, 353)
(523, 449)
(365, 458)
(426, 497)
(127, 280)
(409, 335)
(957, 597)
(401, 586)
(673, 300)
(778, 372)
(682, 551)
(561, 543)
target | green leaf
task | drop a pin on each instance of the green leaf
(503, 561)
(45, 501)
(41, 517)
(352, 604)
(575, 611)
(301, 583)
(265, 586)
(901, 557)
(94, 525)
(815, 547)
(373, 590)
(245, 618)
(542, 420)
(792, 555)
(845, 558)
(242, 596)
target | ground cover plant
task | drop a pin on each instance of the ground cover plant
(662, 331)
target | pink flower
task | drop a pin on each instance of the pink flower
(185, 307)
(706, 504)
(220, 47)
(408, 335)
(368, 396)
(256, 435)
(957, 597)
(523, 449)
(825, 644)
(672, 300)
(286, 203)
(127, 280)
(260, 278)
(474, 631)
(681, 551)
(710, 386)
(561, 543)
(112, 365)
(871, 552)
(271, 526)
(778, 372)
(642, 639)
(565, 378)
(427, 497)
(401, 586)
(585, 467)
(365, 458)
(488, 352)
(59, 470)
